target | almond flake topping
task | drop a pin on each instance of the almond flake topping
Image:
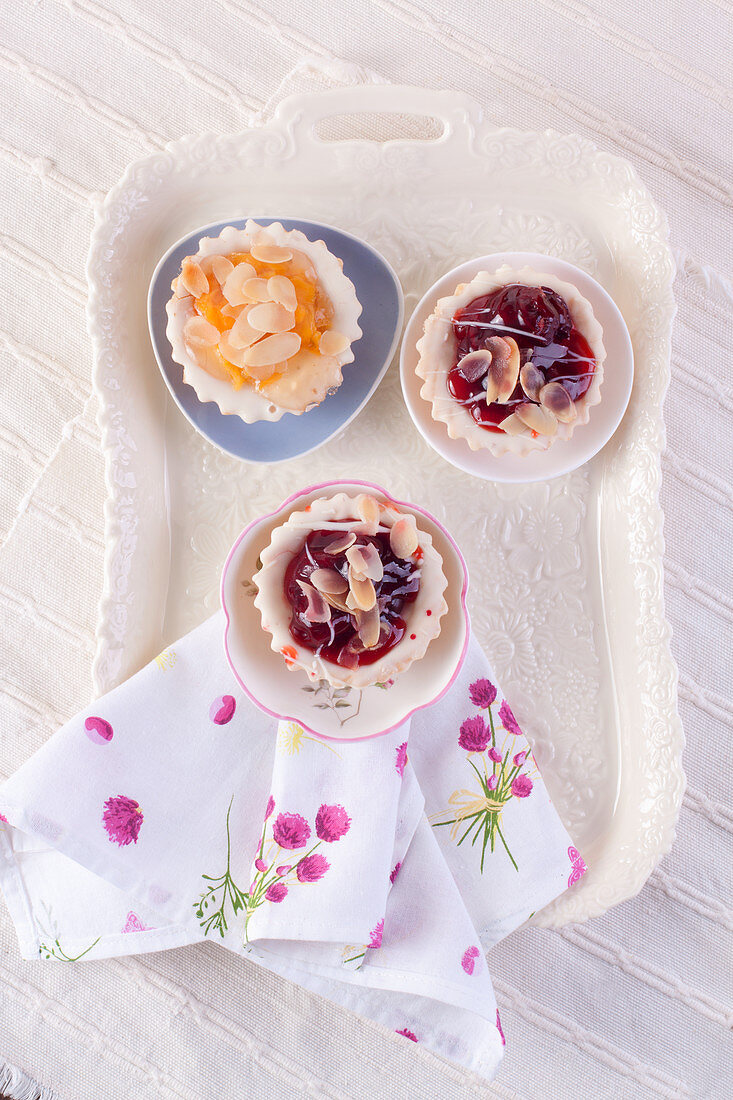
(329, 581)
(193, 278)
(556, 399)
(532, 381)
(403, 538)
(255, 290)
(271, 317)
(514, 426)
(340, 543)
(317, 610)
(475, 365)
(503, 370)
(242, 335)
(368, 625)
(538, 418)
(200, 333)
(282, 291)
(233, 286)
(365, 561)
(221, 268)
(230, 352)
(361, 591)
(332, 342)
(270, 253)
(273, 349)
(368, 509)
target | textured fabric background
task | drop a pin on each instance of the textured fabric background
(635, 1004)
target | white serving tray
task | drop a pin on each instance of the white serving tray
(566, 592)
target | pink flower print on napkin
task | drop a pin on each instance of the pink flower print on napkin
(4, 818)
(134, 924)
(482, 693)
(395, 871)
(579, 866)
(519, 758)
(407, 1033)
(332, 822)
(277, 892)
(495, 755)
(270, 807)
(401, 758)
(312, 868)
(508, 720)
(498, 1028)
(522, 786)
(98, 730)
(492, 782)
(283, 869)
(376, 934)
(261, 865)
(222, 709)
(475, 734)
(122, 819)
(468, 962)
(291, 831)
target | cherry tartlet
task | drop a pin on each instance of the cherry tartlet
(512, 361)
(351, 590)
(262, 320)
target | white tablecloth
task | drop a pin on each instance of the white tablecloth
(632, 1005)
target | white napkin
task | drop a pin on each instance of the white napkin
(173, 810)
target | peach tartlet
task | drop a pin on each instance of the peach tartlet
(262, 320)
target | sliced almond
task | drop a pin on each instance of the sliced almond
(338, 602)
(200, 333)
(365, 561)
(317, 610)
(265, 372)
(271, 317)
(193, 278)
(340, 543)
(368, 508)
(230, 352)
(504, 369)
(268, 253)
(332, 342)
(241, 334)
(273, 349)
(282, 291)
(537, 418)
(255, 290)
(556, 399)
(514, 426)
(362, 591)
(233, 286)
(221, 268)
(179, 290)
(475, 365)
(532, 381)
(329, 581)
(403, 540)
(368, 626)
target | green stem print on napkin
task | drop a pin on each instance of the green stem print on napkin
(500, 775)
(276, 869)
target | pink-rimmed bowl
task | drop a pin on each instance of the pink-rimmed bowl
(342, 714)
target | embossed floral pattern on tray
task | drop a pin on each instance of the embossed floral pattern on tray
(546, 560)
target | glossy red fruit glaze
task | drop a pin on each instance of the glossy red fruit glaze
(337, 640)
(539, 320)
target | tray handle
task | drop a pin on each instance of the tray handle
(458, 113)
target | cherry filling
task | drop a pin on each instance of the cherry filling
(338, 640)
(539, 320)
